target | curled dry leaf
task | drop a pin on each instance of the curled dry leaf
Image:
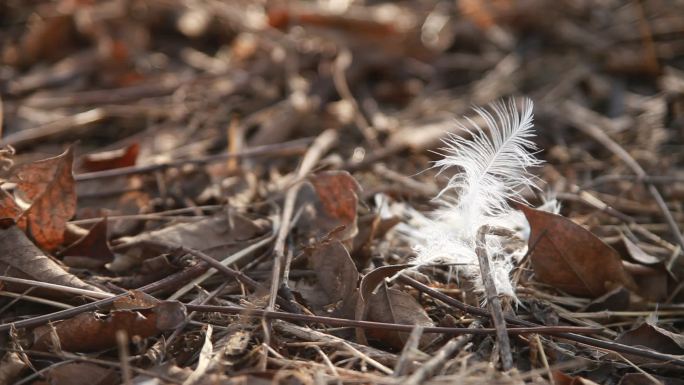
(20, 258)
(570, 258)
(649, 272)
(371, 280)
(653, 337)
(47, 187)
(638, 254)
(91, 250)
(394, 306)
(337, 202)
(337, 277)
(123, 157)
(97, 331)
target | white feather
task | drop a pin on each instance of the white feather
(494, 168)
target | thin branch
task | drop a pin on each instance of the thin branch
(319, 147)
(170, 281)
(291, 147)
(53, 286)
(343, 322)
(493, 301)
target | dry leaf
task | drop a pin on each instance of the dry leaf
(572, 259)
(135, 299)
(124, 157)
(20, 258)
(94, 331)
(82, 373)
(217, 236)
(337, 277)
(337, 203)
(48, 186)
(92, 250)
(371, 280)
(637, 254)
(615, 300)
(653, 337)
(652, 281)
(395, 306)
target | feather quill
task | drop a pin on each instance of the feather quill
(494, 165)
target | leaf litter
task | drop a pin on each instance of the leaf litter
(188, 132)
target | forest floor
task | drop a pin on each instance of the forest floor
(231, 192)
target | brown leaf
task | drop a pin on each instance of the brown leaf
(33, 178)
(572, 259)
(395, 306)
(371, 227)
(97, 331)
(638, 254)
(123, 157)
(615, 300)
(561, 378)
(135, 299)
(655, 338)
(652, 281)
(20, 258)
(81, 373)
(371, 280)
(48, 186)
(337, 276)
(337, 202)
(217, 235)
(92, 250)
